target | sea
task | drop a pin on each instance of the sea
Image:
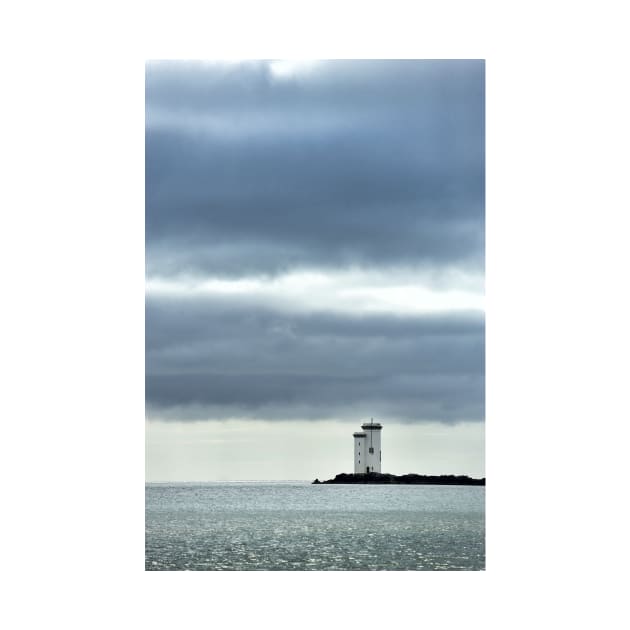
(297, 526)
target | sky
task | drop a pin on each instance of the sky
(314, 259)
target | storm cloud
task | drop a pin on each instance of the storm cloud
(252, 362)
(353, 163)
(255, 174)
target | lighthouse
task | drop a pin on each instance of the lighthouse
(367, 448)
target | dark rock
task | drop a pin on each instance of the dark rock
(410, 478)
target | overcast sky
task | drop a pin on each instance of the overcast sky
(314, 258)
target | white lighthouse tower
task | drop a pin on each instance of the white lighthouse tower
(367, 448)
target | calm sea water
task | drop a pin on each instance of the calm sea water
(301, 527)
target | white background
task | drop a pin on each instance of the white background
(72, 264)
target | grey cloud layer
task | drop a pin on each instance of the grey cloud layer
(206, 358)
(354, 163)
(374, 164)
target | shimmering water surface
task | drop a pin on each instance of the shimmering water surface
(298, 526)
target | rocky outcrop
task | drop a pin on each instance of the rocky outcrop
(410, 478)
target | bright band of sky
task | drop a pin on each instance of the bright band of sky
(340, 291)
